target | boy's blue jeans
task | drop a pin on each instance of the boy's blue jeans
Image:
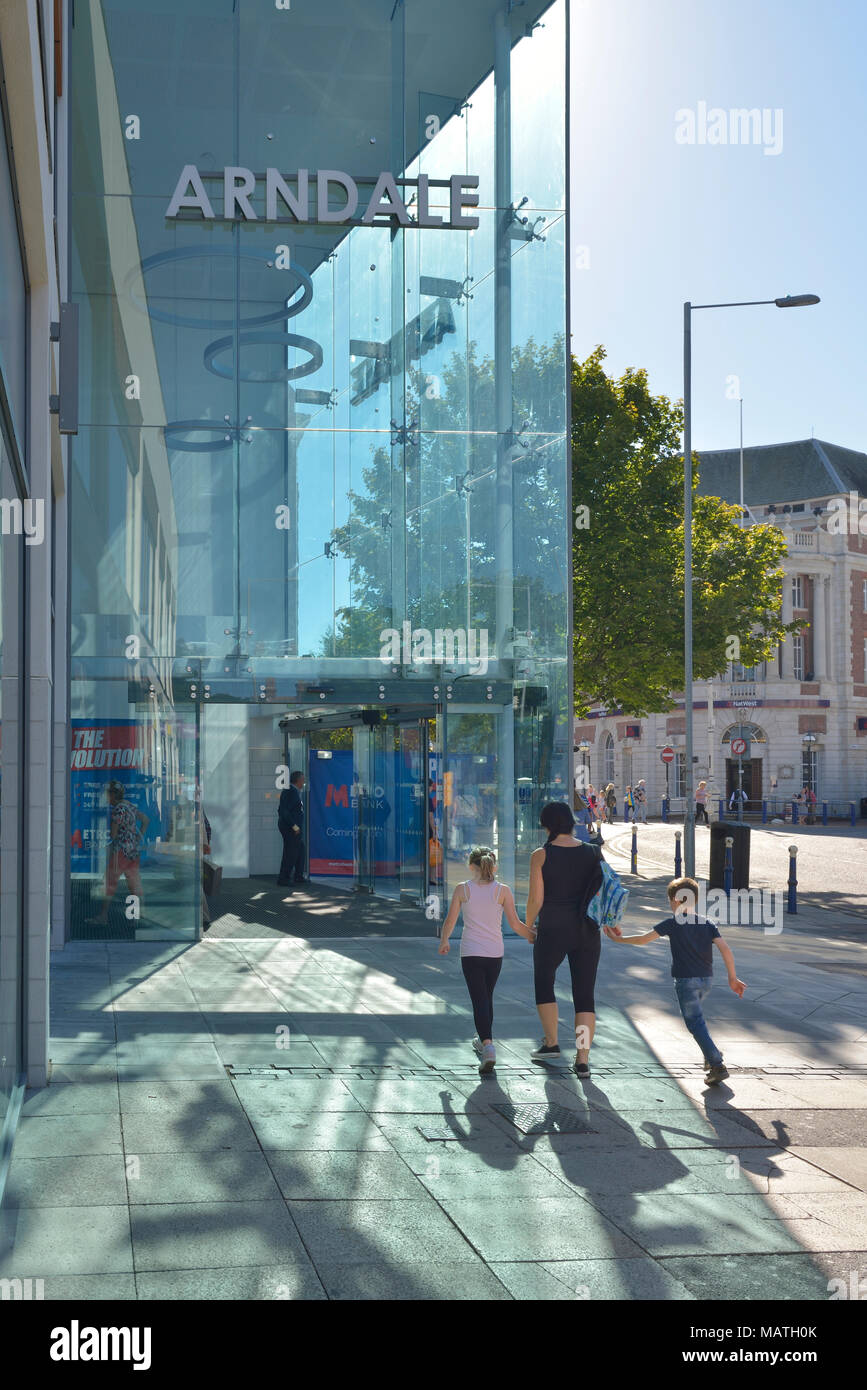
(691, 990)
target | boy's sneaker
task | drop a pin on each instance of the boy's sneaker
(715, 1074)
(581, 1069)
(489, 1059)
(543, 1053)
(477, 1046)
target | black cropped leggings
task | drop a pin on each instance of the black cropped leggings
(581, 943)
(481, 974)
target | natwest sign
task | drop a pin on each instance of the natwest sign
(384, 204)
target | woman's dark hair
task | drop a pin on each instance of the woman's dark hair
(557, 819)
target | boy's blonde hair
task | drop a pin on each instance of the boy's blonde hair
(679, 885)
(482, 857)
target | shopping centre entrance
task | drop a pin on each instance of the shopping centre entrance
(394, 796)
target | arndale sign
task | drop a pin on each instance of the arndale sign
(239, 185)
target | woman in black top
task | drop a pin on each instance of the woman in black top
(564, 876)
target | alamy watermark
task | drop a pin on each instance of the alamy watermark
(23, 518)
(737, 126)
(447, 646)
(740, 907)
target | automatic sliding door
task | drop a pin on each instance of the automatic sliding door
(412, 790)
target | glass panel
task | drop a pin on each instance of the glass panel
(136, 829)
(13, 300)
(298, 436)
(412, 792)
(11, 606)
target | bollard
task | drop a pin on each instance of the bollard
(764, 813)
(678, 862)
(824, 813)
(851, 812)
(633, 866)
(794, 813)
(728, 872)
(793, 882)
(665, 810)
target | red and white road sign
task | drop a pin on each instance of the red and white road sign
(667, 755)
(739, 747)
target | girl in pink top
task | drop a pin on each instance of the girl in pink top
(482, 900)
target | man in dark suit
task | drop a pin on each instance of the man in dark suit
(290, 821)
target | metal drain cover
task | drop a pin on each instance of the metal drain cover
(442, 1134)
(545, 1119)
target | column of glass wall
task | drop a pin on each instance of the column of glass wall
(295, 437)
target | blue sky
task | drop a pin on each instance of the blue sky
(664, 222)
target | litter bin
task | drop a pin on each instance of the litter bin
(719, 833)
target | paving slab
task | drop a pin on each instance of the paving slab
(309, 1130)
(848, 1164)
(619, 1278)
(213, 1235)
(186, 1130)
(320, 1175)
(93, 1180)
(643, 1170)
(41, 1242)
(393, 1233)
(474, 1132)
(67, 1136)
(297, 1281)
(203, 1175)
(462, 1281)
(455, 1173)
(545, 1228)
(822, 1128)
(687, 1224)
(82, 1288)
(778, 1277)
(281, 1094)
(173, 1096)
(72, 1095)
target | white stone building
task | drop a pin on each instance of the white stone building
(802, 714)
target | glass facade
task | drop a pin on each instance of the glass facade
(319, 493)
(13, 520)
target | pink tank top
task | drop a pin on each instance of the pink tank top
(483, 920)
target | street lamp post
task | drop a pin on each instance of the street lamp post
(789, 301)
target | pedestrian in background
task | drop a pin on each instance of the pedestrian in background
(641, 803)
(701, 803)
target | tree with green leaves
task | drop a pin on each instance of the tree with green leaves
(628, 560)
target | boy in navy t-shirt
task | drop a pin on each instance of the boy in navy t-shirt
(692, 939)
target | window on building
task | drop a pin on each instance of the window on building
(798, 656)
(678, 769)
(810, 770)
(864, 595)
(797, 591)
(738, 674)
(608, 760)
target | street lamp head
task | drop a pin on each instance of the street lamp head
(796, 301)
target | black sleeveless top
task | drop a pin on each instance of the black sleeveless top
(571, 878)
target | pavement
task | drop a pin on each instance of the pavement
(288, 1118)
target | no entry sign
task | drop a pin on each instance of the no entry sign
(739, 747)
(667, 755)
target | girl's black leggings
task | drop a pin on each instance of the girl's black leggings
(481, 974)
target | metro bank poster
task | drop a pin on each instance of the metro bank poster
(333, 816)
(105, 750)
